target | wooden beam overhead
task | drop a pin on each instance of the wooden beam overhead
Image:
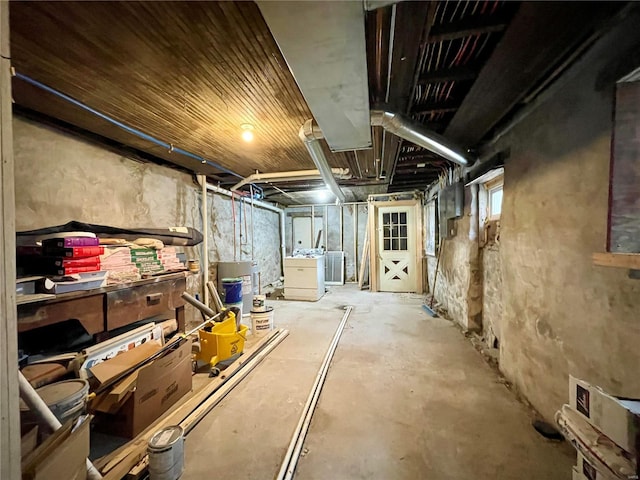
(422, 154)
(467, 27)
(436, 107)
(461, 73)
(416, 180)
(411, 21)
(539, 36)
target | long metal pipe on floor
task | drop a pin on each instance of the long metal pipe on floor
(290, 461)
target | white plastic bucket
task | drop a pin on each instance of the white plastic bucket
(262, 322)
(166, 454)
(259, 303)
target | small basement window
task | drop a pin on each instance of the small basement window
(490, 189)
(494, 198)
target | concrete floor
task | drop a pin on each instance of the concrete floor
(406, 397)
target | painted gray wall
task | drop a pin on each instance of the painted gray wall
(561, 314)
(60, 177)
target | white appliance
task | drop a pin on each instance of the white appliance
(304, 278)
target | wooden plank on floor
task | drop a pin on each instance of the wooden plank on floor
(619, 260)
(117, 464)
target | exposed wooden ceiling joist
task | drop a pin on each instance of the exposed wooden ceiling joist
(410, 23)
(436, 107)
(418, 154)
(465, 72)
(540, 34)
(467, 27)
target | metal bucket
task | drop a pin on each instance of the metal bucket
(166, 454)
(67, 400)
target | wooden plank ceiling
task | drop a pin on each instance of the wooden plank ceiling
(189, 74)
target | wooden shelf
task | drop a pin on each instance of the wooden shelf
(618, 260)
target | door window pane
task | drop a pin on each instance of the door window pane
(403, 244)
(387, 244)
(403, 218)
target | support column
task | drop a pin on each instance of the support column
(9, 391)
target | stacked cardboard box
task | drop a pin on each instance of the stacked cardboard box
(136, 399)
(604, 429)
(61, 455)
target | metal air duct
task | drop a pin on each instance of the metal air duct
(394, 123)
(415, 133)
(311, 135)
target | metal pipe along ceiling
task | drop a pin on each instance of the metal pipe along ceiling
(310, 134)
(394, 123)
(415, 133)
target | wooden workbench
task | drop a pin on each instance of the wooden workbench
(108, 308)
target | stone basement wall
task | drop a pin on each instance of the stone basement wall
(60, 177)
(559, 314)
(459, 287)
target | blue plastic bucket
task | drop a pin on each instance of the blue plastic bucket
(232, 290)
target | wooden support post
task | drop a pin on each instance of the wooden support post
(9, 390)
(326, 228)
(355, 243)
(312, 237)
(365, 257)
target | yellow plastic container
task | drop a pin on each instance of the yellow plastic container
(221, 342)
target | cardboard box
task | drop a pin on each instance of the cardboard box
(159, 385)
(62, 455)
(616, 418)
(106, 371)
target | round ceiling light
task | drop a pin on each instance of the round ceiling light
(247, 132)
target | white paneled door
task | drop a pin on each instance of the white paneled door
(302, 237)
(397, 249)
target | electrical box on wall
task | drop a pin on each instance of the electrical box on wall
(450, 207)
